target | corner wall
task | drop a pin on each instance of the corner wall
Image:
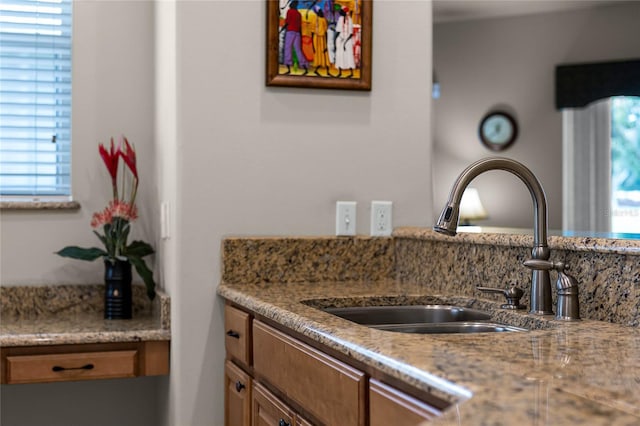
(254, 160)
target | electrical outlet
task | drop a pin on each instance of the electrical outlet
(346, 218)
(381, 225)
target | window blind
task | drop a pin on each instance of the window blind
(35, 97)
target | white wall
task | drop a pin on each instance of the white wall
(511, 61)
(237, 158)
(113, 94)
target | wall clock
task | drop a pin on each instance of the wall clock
(498, 130)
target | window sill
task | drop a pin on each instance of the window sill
(39, 205)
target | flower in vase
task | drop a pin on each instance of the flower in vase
(115, 219)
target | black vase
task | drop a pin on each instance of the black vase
(117, 289)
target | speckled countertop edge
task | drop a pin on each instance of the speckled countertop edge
(486, 388)
(591, 244)
(84, 327)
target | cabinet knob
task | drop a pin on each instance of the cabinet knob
(283, 423)
(233, 334)
(239, 386)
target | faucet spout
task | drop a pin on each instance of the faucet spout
(448, 221)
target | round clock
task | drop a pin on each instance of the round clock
(498, 130)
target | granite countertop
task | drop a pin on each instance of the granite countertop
(585, 372)
(73, 314)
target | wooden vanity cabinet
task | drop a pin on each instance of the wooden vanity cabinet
(268, 372)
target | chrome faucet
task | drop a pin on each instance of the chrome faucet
(541, 303)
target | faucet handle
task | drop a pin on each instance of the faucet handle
(566, 286)
(568, 304)
(544, 265)
(513, 295)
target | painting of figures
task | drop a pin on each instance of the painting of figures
(319, 43)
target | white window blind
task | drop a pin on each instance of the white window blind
(35, 97)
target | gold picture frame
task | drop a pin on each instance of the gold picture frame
(319, 43)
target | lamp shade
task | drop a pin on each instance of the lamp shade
(471, 207)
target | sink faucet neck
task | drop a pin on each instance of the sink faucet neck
(449, 217)
(448, 220)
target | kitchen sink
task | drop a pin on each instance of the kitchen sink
(411, 314)
(422, 319)
(448, 327)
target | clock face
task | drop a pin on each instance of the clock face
(497, 131)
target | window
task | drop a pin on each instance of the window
(601, 166)
(35, 98)
(625, 164)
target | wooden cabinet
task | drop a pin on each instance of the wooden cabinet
(237, 339)
(271, 378)
(61, 363)
(237, 396)
(387, 405)
(269, 410)
(332, 391)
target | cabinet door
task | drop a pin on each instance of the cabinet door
(389, 406)
(268, 410)
(237, 396)
(331, 391)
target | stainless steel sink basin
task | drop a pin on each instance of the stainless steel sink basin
(422, 319)
(449, 327)
(411, 314)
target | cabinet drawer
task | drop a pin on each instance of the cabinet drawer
(237, 334)
(71, 366)
(387, 405)
(268, 410)
(330, 390)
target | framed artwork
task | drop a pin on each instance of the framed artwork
(319, 43)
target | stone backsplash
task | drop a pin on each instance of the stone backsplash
(608, 271)
(309, 259)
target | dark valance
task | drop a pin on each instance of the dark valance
(580, 84)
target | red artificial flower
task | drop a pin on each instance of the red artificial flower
(129, 157)
(110, 159)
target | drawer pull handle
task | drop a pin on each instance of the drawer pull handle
(239, 386)
(283, 423)
(84, 367)
(233, 334)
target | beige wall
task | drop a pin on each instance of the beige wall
(254, 160)
(113, 94)
(231, 157)
(511, 61)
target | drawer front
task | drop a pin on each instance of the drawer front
(330, 390)
(237, 395)
(268, 410)
(71, 366)
(388, 406)
(237, 334)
